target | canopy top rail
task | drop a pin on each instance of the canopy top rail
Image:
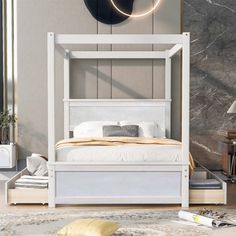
(177, 40)
(70, 39)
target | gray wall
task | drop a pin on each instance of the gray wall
(90, 79)
(213, 75)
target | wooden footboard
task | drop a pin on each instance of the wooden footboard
(116, 184)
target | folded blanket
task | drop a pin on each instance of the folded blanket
(32, 181)
(114, 141)
(18, 186)
(205, 184)
(27, 181)
(34, 177)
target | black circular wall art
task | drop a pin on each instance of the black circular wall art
(103, 10)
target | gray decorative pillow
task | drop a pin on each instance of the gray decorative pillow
(120, 131)
(37, 165)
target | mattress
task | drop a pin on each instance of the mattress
(120, 153)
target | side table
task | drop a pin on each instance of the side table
(229, 159)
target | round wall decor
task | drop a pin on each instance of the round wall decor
(140, 14)
(104, 11)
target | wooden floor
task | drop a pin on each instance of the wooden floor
(231, 204)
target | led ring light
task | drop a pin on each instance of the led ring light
(136, 15)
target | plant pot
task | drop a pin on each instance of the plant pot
(5, 135)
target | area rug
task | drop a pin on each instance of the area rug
(132, 222)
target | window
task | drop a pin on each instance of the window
(1, 57)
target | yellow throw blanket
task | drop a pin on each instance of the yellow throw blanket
(114, 141)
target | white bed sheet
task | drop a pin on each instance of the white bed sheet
(120, 154)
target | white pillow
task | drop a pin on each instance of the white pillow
(91, 128)
(147, 129)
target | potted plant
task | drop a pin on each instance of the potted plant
(6, 120)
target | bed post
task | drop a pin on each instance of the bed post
(51, 118)
(168, 93)
(185, 118)
(66, 94)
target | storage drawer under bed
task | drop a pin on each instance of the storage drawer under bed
(197, 196)
(206, 187)
(24, 196)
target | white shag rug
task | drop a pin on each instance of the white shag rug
(132, 222)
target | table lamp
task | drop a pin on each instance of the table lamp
(232, 108)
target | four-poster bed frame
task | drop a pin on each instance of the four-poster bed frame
(150, 183)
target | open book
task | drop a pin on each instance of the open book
(212, 220)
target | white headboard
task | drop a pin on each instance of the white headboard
(81, 110)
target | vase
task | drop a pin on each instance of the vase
(5, 134)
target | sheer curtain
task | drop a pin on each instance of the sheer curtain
(8, 63)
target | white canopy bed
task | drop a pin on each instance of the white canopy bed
(107, 182)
